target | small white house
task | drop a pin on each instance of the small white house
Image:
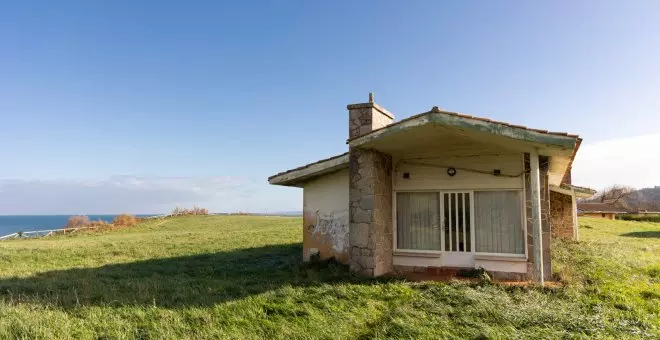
(439, 190)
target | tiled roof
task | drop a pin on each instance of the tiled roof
(435, 109)
(599, 207)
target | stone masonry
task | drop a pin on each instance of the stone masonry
(546, 238)
(370, 219)
(370, 194)
(366, 117)
(561, 213)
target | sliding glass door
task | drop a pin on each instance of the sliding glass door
(434, 221)
(457, 221)
(461, 222)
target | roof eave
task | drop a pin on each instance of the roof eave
(450, 119)
(580, 192)
(297, 177)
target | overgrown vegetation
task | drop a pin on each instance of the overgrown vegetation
(80, 221)
(77, 221)
(194, 211)
(241, 277)
(642, 218)
(125, 220)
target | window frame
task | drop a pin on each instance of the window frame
(523, 219)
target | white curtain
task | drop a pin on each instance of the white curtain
(418, 215)
(498, 222)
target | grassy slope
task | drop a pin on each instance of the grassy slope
(240, 277)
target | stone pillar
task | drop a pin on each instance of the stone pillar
(535, 198)
(546, 224)
(370, 219)
(544, 238)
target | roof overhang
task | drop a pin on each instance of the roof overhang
(579, 192)
(422, 128)
(599, 208)
(297, 177)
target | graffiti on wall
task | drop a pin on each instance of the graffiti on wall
(332, 228)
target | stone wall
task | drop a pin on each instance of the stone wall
(561, 213)
(370, 212)
(546, 238)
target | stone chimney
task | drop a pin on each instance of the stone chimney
(370, 194)
(366, 117)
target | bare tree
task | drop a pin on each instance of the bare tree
(614, 193)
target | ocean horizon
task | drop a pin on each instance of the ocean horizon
(14, 223)
(10, 224)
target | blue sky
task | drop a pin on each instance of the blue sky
(142, 105)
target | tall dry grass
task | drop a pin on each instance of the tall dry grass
(80, 221)
(77, 221)
(125, 220)
(194, 211)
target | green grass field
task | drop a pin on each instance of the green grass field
(241, 277)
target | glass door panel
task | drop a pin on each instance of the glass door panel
(457, 224)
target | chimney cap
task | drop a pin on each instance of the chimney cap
(371, 97)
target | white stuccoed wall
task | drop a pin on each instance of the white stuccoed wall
(325, 216)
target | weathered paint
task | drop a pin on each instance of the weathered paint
(580, 192)
(325, 216)
(559, 147)
(564, 189)
(565, 142)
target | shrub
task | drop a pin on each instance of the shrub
(77, 221)
(194, 211)
(125, 220)
(99, 224)
(639, 218)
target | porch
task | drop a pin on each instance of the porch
(439, 194)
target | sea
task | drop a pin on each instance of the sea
(14, 223)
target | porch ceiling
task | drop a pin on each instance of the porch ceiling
(448, 134)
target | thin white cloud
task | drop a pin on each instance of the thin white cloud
(120, 194)
(630, 161)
